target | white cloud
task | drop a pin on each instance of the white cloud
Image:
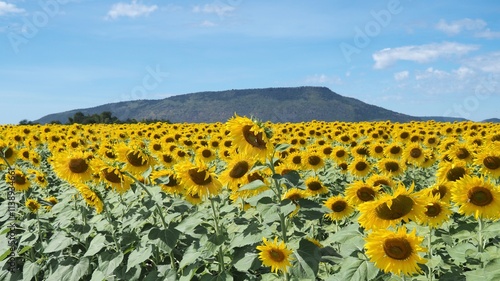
(488, 62)
(488, 34)
(455, 27)
(7, 8)
(323, 79)
(402, 75)
(131, 10)
(420, 53)
(219, 9)
(208, 23)
(432, 73)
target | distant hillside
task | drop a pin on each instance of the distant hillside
(493, 120)
(273, 104)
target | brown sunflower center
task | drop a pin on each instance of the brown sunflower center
(26, 154)
(8, 152)
(157, 146)
(206, 153)
(327, 150)
(20, 179)
(404, 135)
(314, 186)
(415, 152)
(135, 159)
(111, 176)
(340, 153)
(361, 166)
(167, 158)
(277, 255)
(239, 170)
(379, 149)
(339, 206)
(463, 153)
(433, 210)
(397, 248)
(254, 176)
(297, 159)
(395, 150)
(172, 181)
(381, 182)
(294, 196)
(314, 160)
(455, 173)
(492, 162)
(199, 177)
(392, 166)
(400, 207)
(78, 165)
(110, 154)
(441, 190)
(343, 166)
(255, 140)
(365, 194)
(480, 196)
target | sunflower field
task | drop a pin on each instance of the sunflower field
(250, 200)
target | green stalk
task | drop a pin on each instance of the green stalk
(217, 232)
(429, 248)
(118, 248)
(480, 247)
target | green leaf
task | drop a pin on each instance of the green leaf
(80, 269)
(308, 255)
(256, 184)
(355, 269)
(24, 249)
(139, 255)
(96, 245)
(191, 254)
(167, 238)
(5, 254)
(282, 147)
(246, 262)
(30, 269)
(109, 261)
(460, 252)
(287, 207)
(98, 275)
(59, 242)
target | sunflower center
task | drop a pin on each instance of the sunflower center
(255, 140)
(276, 255)
(26, 154)
(397, 248)
(365, 194)
(415, 152)
(433, 210)
(339, 206)
(172, 181)
(361, 166)
(167, 158)
(480, 196)
(381, 182)
(395, 150)
(379, 149)
(111, 176)
(135, 159)
(199, 177)
(343, 166)
(296, 160)
(314, 160)
(340, 153)
(404, 135)
(254, 176)
(314, 185)
(392, 166)
(8, 153)
(327, 150)
(20, 179)
(239, 170)
(78, 165)
(400, 207)
(455, 173)
(463, 153)
(110, 154)
(157, 146)
(492, 162)
(441, 190)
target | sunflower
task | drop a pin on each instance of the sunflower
(395, 252)
(296, 160)
(249, 137)
(90, 197)
(376, 149)
(391, 166)
(489, 162)
(50, 202)
(380, 180)
(18, 180)
(168, 181)
(359, 167)
(314, 186)
(8, 152)
(394, 150)
(389, 210)
(359, 192)
(443, 189)
(436, 211)
(274, 254)
(205, 153)
(193, 198)
(313, 160)
(461, 152)
(115, 178)
(135, 157)
(32, 205)
(340, 208)
(475, 196)
(39, 178)
(237, 170)
(73, 166)
(340, 154)
(197, 178)
(414, 154)
(451, 171)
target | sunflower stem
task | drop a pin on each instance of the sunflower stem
(480, 247)
(217, 232)
(108, 217)
(429, 248)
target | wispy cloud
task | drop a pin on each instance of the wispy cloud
(421, 53)
(131, 10)
(215, 8)
(7, 8)
(402, 75)
(323, 79)
(489, 62)
(207, 23)
(477, 26)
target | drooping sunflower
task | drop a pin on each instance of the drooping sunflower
(275, 255)
(249, 137)
(452, 171)
(476, 197)
(193, 198)
(395, 252)
(136, 158)
(32, 205)
(392, 167)
(389, 210)
(436, 211)
(489, 161)
(18, 180)
(359, 167)
(73, 166)
(380, 180)
(50, 202)
(168, 181)
(8, 152)
(339, 206)
(197, 178)
(315, 186)
(90, 197)
(359, 192)
(38, 178)
(236, 172)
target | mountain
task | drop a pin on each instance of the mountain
(493, 120)
(274, 104)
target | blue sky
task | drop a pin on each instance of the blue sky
(423, 58)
